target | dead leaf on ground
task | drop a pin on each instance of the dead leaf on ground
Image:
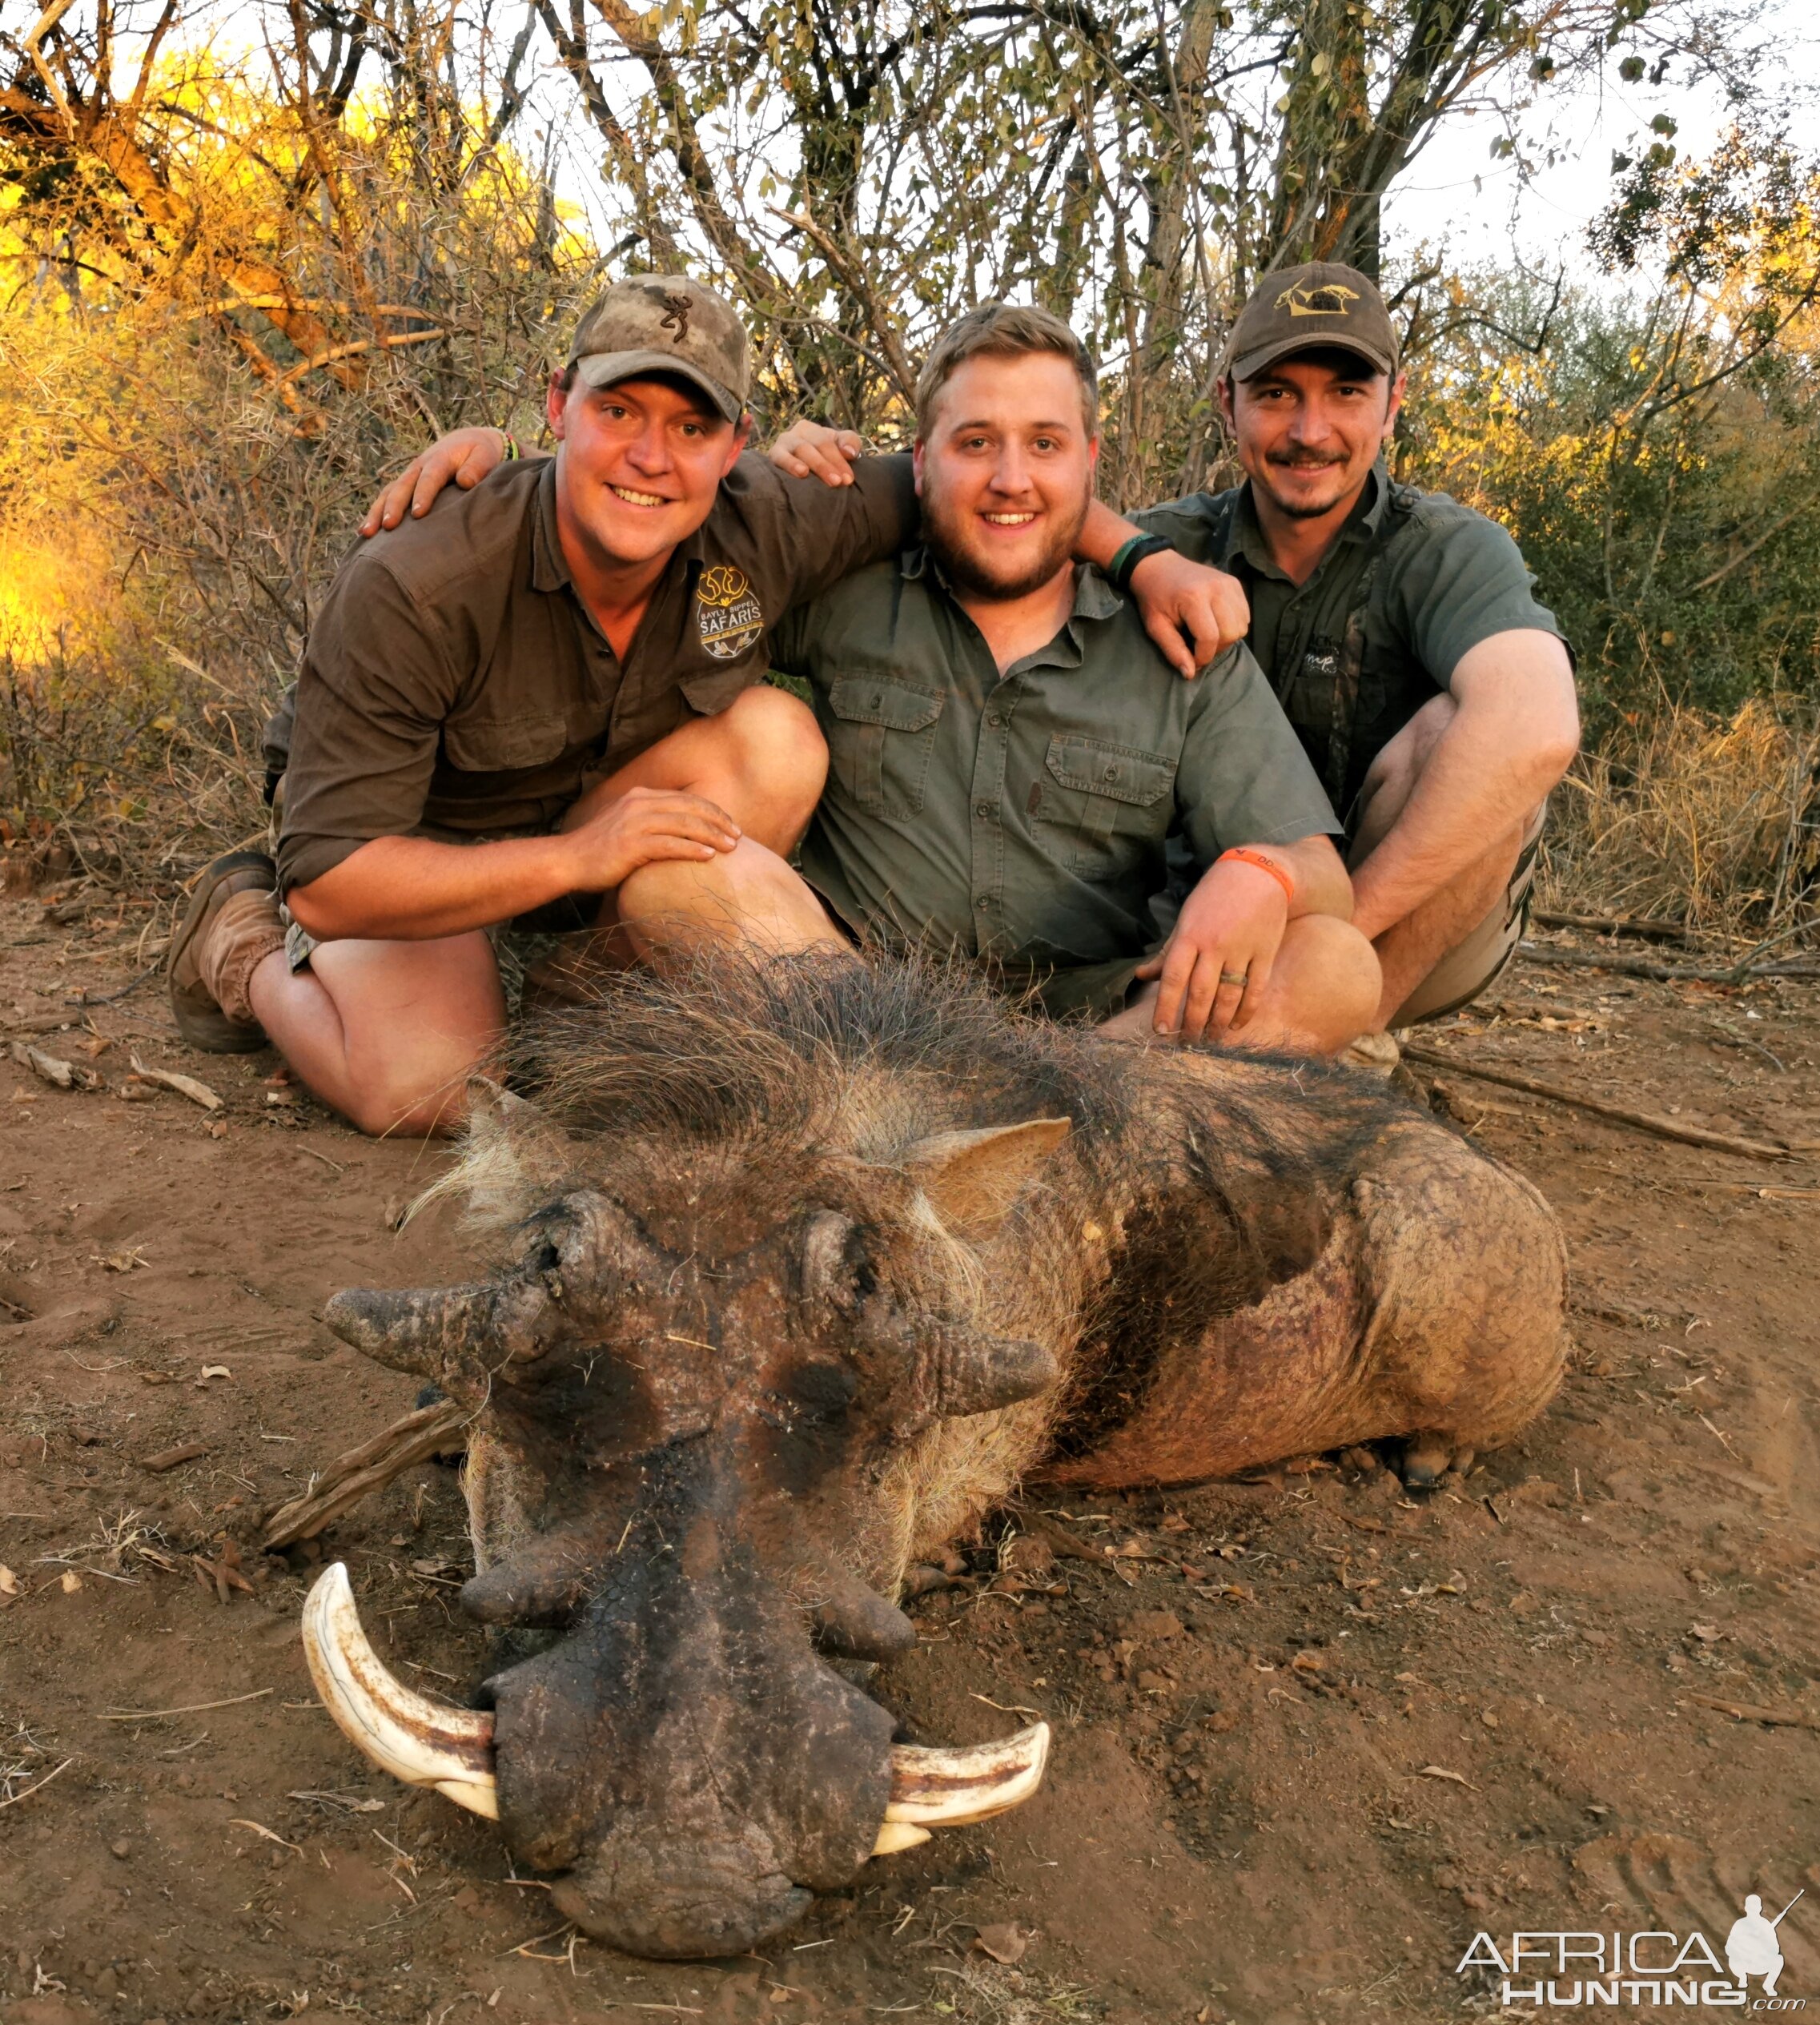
(10, 1583)
(212, 1371)
(71, 1582)
(1004, 1943)
(1442, 1772)
(122, 1261)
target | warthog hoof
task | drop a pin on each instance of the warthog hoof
(1426, 1457)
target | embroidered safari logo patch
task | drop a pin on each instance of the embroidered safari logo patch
(729, 618)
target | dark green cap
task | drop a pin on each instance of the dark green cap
(1309, 308)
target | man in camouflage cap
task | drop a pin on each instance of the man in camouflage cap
(509, 708)
(1398, 629)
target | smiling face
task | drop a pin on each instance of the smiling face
(639, 467)
(1309, 428)
(1005, 466)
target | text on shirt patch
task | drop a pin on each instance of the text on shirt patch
(729, 618)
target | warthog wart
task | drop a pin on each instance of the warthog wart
(810, 1262)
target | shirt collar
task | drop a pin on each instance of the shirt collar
(1245, 538)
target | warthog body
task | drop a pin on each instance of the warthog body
(809, 1264)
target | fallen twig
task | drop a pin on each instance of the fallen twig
(429, 1431)
(26, 1792)
(1750, 1712)
(188, 1709)
(1645, 966)
(1643, 1121)
(112, 998)
(198, 1093)
(1645, 931)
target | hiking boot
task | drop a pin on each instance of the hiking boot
(231, 927)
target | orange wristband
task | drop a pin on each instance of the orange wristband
(1264, 865)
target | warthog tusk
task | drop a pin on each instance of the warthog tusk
(426, 1742)
(421, 1741)
(898, 1834)
(948, 1788)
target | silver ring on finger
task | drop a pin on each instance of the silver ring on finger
(1241, 978)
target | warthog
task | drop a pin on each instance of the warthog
(809, 1263)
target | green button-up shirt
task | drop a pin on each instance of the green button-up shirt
(1027, 816)
(1413, 581)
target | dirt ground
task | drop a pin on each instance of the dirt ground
(1312, 1733)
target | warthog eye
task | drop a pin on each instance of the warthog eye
(834, 1265)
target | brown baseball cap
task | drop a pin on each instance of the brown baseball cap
(666, 323)
(1310, 307)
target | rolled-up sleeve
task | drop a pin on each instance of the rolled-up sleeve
(1462, 581)
(1244, 778)
(375, 686)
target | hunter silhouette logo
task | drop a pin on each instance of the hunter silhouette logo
(1751, 1946)
(727, 618)
(1328, 301)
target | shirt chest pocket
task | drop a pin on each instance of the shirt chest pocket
(881, 735)
(505, 745)
(1112, 802)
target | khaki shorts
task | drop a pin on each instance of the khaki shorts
(1479, 960)
(516, 943)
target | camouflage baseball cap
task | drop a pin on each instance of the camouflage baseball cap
(1311, 307)
(665, 323)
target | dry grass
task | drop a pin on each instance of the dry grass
(1688, 817)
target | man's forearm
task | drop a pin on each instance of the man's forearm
(408, 889)
(1103, 533)
(1320, 878)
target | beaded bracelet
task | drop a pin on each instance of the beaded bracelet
(510, 443)
(1264, 865)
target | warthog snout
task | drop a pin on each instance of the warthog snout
(682, 1424)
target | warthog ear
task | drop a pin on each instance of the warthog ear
(972, 1177)
(512, 1157)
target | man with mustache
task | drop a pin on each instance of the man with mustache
(508, 710)
(1432, 693)
(1012, 763)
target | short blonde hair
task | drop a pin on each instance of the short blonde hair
(1004, 331)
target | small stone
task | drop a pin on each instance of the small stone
(71, 1582)
(122, 1849)
(1152, 1626)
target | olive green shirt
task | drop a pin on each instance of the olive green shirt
(453, 682)
(1027, 816)
(1413, 583)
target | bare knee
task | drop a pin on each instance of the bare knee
(402, 1107)
(1331, 982)
(747, 894)
(773, 755)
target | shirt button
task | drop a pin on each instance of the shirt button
(982, 903)
(995, 718)
(983, 811)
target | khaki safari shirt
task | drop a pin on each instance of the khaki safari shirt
(1414, 582)
(1027, 818)
(453, 682)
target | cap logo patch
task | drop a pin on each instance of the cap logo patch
(727, 618)
(676, 315)
(1328, 301)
